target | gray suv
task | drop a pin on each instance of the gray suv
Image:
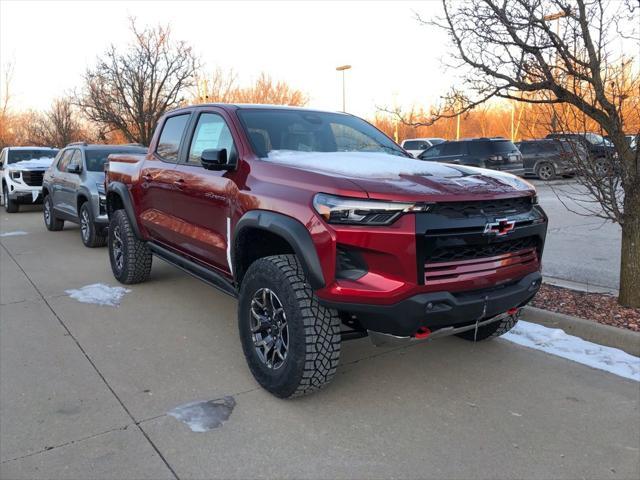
(73, 189)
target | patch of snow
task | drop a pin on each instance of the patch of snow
(556, 342)
(204, 416)
(41, 163)
(360, 164)
(13, 234)
(99, 293)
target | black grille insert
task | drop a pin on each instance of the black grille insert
(471, 252)
(33, 177)
(506, 206)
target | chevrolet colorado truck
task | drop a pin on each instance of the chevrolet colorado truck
(324, 229)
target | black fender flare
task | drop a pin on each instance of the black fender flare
(83, 192)
(121, 190)
(293, 231)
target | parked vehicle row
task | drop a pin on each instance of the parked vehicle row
(322, 227)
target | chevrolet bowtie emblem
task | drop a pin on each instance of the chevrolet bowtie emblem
(501, 226)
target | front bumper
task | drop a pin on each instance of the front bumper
(439, 310)
(25, 197)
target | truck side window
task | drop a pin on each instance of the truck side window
(169, 143)
(211, 132)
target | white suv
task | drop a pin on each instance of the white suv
(22, 171)
(415, 146)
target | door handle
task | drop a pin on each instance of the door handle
(147, 177)
(179, 184)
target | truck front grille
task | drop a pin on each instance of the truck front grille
(33, 177)
(501, 207)
(472, 252)
(460, 270)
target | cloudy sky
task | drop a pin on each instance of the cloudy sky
(394, 59)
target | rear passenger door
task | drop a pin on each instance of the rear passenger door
(159, 183)
(203, 199)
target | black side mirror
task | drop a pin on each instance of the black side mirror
(214, 159)
(74, 168)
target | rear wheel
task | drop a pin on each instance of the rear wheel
(10, 206)
(546, 171)
(52, 222)
(290, 341)
(130, 257)
(492, 330)
(90, 234)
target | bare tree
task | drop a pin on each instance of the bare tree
(57, 127)
(559, 53)
(129, 91)
(222, 87)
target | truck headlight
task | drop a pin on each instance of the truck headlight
(101, 190)
(357, 211)
(15, 174)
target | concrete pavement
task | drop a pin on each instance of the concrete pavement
(579, 248)
(84, 391)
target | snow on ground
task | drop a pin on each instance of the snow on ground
(100, 294)
(203, 416)
(556, 342)
(13, 234)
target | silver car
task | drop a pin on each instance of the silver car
(73, 189)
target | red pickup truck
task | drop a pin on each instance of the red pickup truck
(324, 229)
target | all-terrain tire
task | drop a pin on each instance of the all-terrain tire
(313, 350)
(130, 257)
(92, 236)
(53, 223)
(10, 206)
(492, 330)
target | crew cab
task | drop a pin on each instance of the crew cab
(324, 229)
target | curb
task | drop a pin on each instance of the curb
(608, 335)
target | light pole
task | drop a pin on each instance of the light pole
(342, 68)
(550, 18)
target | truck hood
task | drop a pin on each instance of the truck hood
(390, 177)
(34, 164)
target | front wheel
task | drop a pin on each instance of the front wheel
(10, 206)
(492, 330)
(53, 223)
(90, 234)
(291, 342)
(130, 257)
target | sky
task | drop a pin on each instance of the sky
(395, 60)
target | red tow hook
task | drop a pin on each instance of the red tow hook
(512, 311)
(422, 333)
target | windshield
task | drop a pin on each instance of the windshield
(96, 158)
(307, 131)
(16, 156)
(595, 139)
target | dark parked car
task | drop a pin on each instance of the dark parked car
(599, 148)
(73, 190)
(492, 153)
(317, 220)
(548, 158)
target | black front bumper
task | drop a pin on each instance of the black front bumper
(25, 197)
(442, 309)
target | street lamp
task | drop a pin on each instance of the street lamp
(342, 69)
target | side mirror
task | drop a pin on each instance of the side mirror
(214, 159)
(75, 168)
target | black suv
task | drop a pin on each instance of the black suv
(492, 153)
(599, 148)
(551, 157)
